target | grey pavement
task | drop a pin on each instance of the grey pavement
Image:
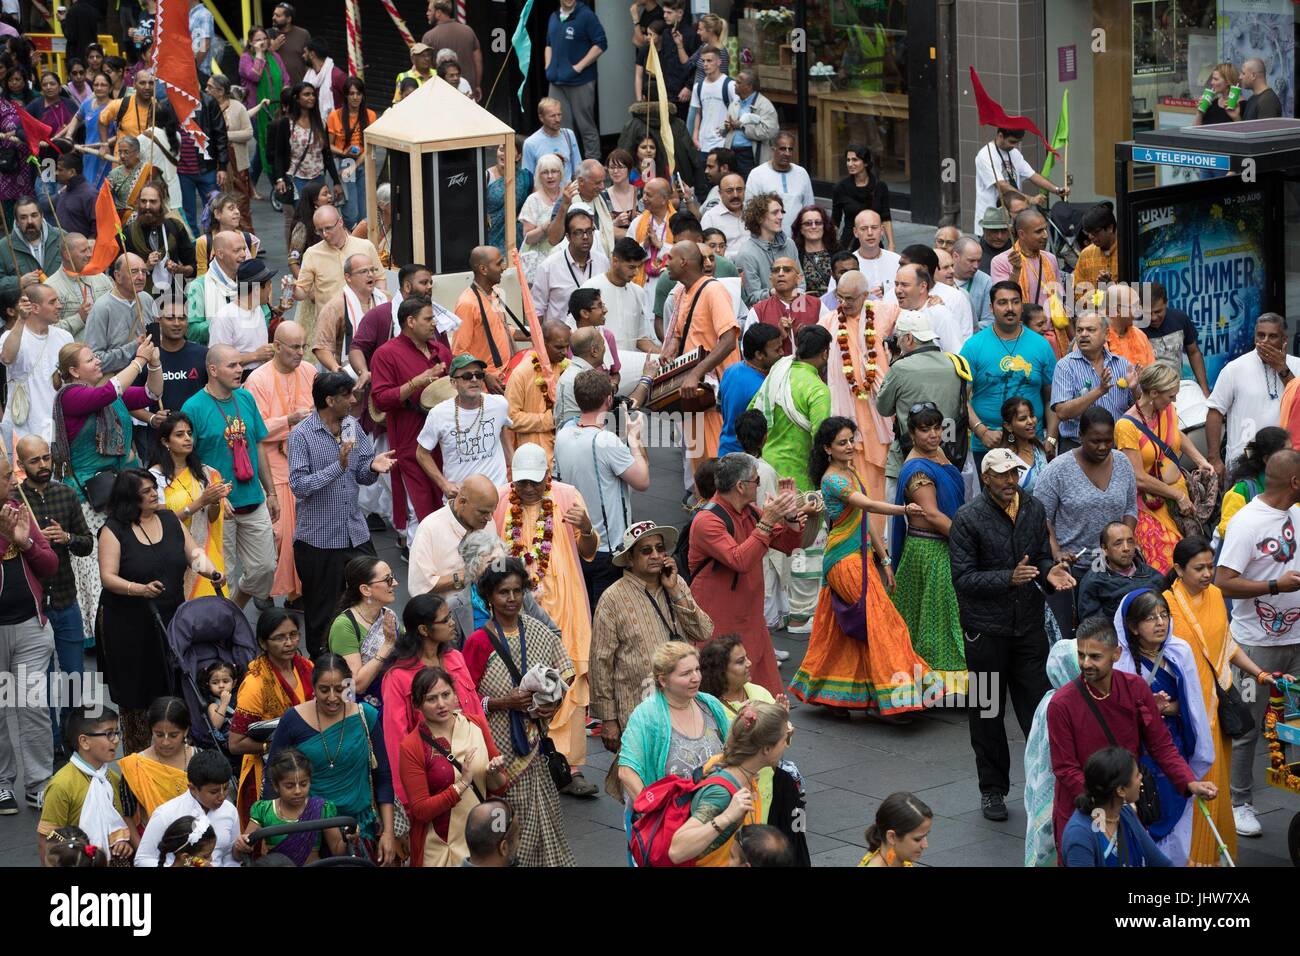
(849, 766)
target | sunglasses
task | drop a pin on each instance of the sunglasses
(921, 407)
(386, 579)
(471, 376)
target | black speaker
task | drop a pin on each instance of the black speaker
(454, 213)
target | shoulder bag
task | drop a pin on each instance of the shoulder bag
(1235, 718)
(556, 762)
(1148, 801)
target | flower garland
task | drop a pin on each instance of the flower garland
(542, 385)
(858, 389)
(537, 558)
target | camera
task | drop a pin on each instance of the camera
(891, 343)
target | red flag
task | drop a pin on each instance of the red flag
(108, 227)
(173, 64)
(992, 114)
(35, 131)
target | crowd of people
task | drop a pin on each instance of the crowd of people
(955, 467)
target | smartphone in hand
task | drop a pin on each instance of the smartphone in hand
(154, 331)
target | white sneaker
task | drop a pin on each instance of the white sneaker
(781, 655)
(804, 628)
(1243, 815)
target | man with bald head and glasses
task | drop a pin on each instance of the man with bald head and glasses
(321, 274)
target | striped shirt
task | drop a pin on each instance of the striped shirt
(328, 516)
(1075, 376)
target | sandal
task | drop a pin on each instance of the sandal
(579, 787)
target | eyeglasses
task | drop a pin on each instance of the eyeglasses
(386, 579)
(110, 734)
(581, 233)
(472, 376)
(1159, 617)
(288, 637)
(442, 620)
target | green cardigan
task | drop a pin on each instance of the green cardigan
(644, 746)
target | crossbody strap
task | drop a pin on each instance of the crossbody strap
(487, 329)
(1155, 667)
(1096, 711)
(1153, 437)
(690, 314)
(429, 739)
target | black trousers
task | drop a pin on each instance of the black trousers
(1002, 662)
(321, 572)
(599, 573)
(745, 163)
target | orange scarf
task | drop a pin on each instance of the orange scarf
(655, 261)
(1045, 277)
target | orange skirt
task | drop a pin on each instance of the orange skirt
(883, 674)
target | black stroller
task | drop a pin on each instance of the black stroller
(203, 631)
(347, 824)
(1065, 220)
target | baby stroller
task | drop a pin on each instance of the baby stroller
(1065, 221)
(202, 631)
(347, 824)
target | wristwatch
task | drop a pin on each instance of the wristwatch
(1272, 586)
(1050, 441)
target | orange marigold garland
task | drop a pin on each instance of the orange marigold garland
(537, 557)
(542, 386)
(858, 389)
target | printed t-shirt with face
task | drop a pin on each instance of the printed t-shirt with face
(1176, 333)
(475, 447)
(1260, 544)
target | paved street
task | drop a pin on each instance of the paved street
(849, 766)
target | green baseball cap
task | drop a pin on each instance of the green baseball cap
(465, 360)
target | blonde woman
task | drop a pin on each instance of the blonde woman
(1222, 77)
(537, 212)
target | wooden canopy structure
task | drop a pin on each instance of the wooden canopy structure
(437, 118)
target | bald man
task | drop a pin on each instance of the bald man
(1124, 312)
(338, 322)
(77, 293)
(786, 308)
(228, 436)
(877, 264)
(1264, 585)
(588, 348)
(650, 229)
(60, 520)
(321, 275)
(282, 390)
(1028, 263)
(117, 320)
(205, 296)
(435, 563)
(531, 413)
(484, 330)
(30, 353)
(712, 327)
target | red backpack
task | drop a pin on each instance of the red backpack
(659, 812)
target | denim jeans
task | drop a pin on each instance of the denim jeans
(351, 209)
(69, 658)
(195, 190)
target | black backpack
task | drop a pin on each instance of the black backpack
(682, 551)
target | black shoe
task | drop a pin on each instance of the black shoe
(993, 807)
(375, 523)
(263, 604)
(404, 551)
(8, 805)
(294, 605)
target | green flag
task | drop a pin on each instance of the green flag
(1061, 137)
(523, 45)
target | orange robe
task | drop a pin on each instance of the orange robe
(533, 421)
(562, 594)
(875, 431)
(277, 396)
(472, 337)
(714, 317)
(1132, 345)
(1290, 417)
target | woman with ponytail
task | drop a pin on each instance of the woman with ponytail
(1104, 829)
(901, 832)
(729, 797)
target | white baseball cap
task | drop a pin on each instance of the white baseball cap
(916, 324)
(529, 463)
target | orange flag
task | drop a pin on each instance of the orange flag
(107, 230)
(173, 64)
(534, 326)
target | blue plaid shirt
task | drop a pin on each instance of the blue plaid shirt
(325, 492)
(1075, 376)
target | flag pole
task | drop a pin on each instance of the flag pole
(13, 253)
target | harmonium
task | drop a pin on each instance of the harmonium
(666, 387)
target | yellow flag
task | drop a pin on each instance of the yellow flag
(665, 127)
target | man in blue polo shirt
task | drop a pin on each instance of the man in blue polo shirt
(1087, 375)
(1007, 359)
(574, 40)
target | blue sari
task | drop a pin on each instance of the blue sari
(949, 490)
(93, 168)
(1172, 801)
(495, 203)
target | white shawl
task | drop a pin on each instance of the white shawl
(324, 89)
(776, 391)
(99, 817)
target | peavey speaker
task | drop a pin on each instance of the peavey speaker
(453, 213)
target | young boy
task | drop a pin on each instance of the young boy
(84, 793)
(209, 776)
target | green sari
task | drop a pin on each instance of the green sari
(269, 85)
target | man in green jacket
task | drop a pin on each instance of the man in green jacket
(795, 400)
(32, 251)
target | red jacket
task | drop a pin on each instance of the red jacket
(39, 562)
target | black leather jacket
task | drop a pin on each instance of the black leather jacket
(985, 545)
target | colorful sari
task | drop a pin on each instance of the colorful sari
(181, 492)
(880, 673)
(1040, 782)
(264, 695)
(1189, 729)
(126, 185)
(1156, 533)
(151, 783)
(1203, 618)
(269, 85)
(923, 589)
(92, 167)
(299, 847)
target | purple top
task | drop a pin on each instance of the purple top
(250, 72)
(80, 404)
